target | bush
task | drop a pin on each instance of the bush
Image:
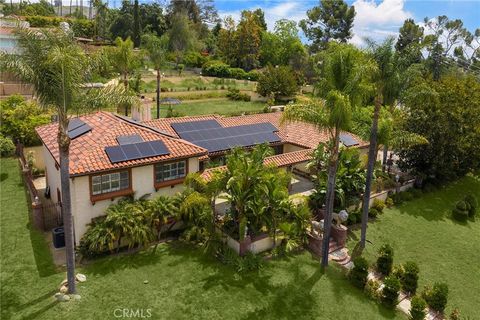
(473, 202)
(237, 73)
(279, 82)
(389, 202)
(194, 59)
(390, 291)
(416, 193)
(235, 94)
(379, 205)
(82, 27)
(398, 272)
(407, 195)
(358, 275)
(455, 315)
(253, 75)
(417, 309)
(409, 280)
(371, 289)
(385, 259)
(436, 296)
(7, 148)
(461, 210)
(215, 68)
(373, 213)
(354, 217)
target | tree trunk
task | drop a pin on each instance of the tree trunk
(64, 147)
(70, 7)
(384, 160)
(125, 83)
(330, 198)
(158, 93)
(371, 163)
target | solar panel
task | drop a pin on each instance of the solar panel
(136, 151)
(75, 123)
(348, 140)
(72, 134)
(129, 139)
(195, 125)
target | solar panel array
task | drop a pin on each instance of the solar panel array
(77, 127)
(348, 140)
(129, 139)
(210, 135)
(134, 151)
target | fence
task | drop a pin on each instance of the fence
(45, 213)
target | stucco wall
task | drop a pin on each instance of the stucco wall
(38, 154)
(291, 148)
(142, 184)
(52, 174)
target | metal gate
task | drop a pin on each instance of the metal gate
(52, 215)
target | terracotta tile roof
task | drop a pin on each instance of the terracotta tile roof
(87, 152)
(298, 133)
(279, 160)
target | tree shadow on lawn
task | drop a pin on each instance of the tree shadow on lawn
(11, 306)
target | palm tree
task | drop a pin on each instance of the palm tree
(124, 60)
(159, 210)
(156, 51)
(56, 68)
(342, 86)
(386, 90)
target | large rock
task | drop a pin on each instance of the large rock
(81, 277)
(63, 289)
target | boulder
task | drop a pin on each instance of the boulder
(81, 277)
(64, 289)
(76, 297)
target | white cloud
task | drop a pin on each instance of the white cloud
(378, 20)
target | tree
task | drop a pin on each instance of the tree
(331, 19)
(156, 51)
(343, 70)
(277, 82)
(260, 15)
(182, 37)
(249, 39)
(124, 61)
(159, 210)
(136, 25)
(227, 41)
(57, 67)
(409, 44)
(385, 79)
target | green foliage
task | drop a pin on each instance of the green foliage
(215, 68)
(409, 279)
(354, 217)
(248, 263)
(43, 22)
(358, 275)
(455, 315)
(373, 213)
(385, 259)
(277, 81)
(390, 291)
(7, 148)
(461, 210)
(372, 289)
(472, 201)
(236, 95)
(83, 28)
(19, 119)
(379, 205)
(195, 59)
(436, 296)
(417, 309)
(331, 20)
(389, 202)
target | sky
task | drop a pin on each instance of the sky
(375, 19)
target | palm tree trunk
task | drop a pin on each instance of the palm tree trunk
(125, 83)
(70, 7)
(371, 163)
(64, 146)
(158, 93)
(327, 222)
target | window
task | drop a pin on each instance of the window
(170, 171)
(110, 182)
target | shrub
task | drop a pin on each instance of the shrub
(389, 202)
(373, 213)
(385, 259)
(461, 210)
(390, 291)
(455, 315)
(372, 289)
(379, 205)
(237, 73)
(473, 202)
(277, 82)
(82, 27)
(194, 59)
(216, 68)
(253, 75)
(407, 195)
(358, 275)
(416, 193)
(398, 271)
(6, 146)
(436, 296)
(417, 309)
(235, 94)
(409, 280)
(397, 198)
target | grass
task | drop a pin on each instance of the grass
(220, 106)
(423, 231)
(183, 282)
(185, 83)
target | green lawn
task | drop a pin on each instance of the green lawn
(423, 231)
(183, 283)
(218, 106)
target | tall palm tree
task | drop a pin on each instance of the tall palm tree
(385, 80)
(56, 68)
(124, 60)
(156, 51)
(342, 86)
(160, 209)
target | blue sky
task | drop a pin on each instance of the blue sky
(375, 19)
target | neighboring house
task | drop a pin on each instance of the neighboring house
(113, 156)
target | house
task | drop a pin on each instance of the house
(112, 156)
